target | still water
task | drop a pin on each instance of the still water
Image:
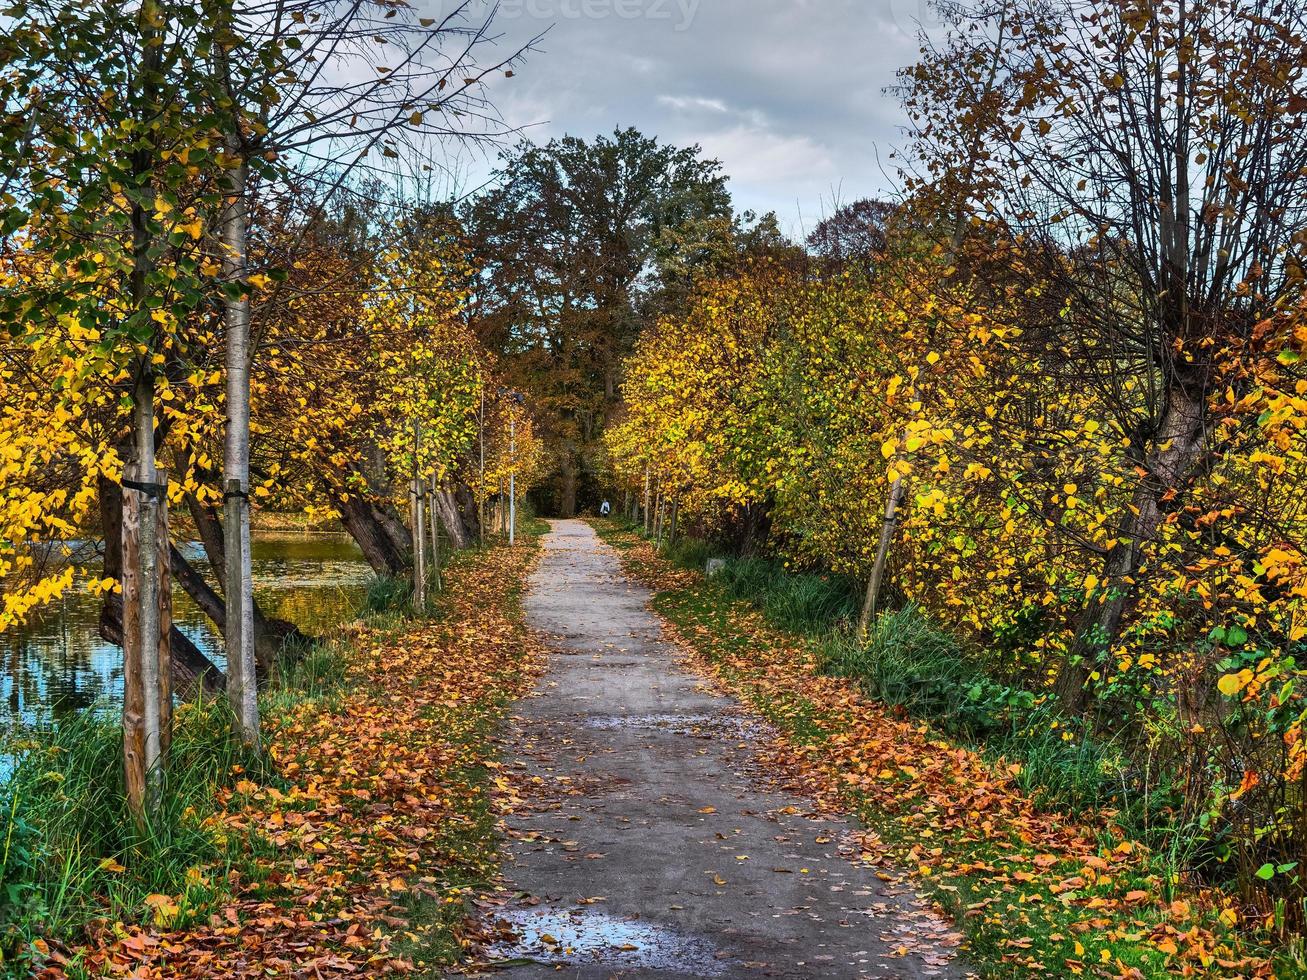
(58, 664)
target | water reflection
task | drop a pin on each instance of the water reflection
(58, 664)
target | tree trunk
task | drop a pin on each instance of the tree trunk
(141, 576)
(468, 509)
(871, 601)
(445, 505)
(368, 524)
(753, 526)
(242, 671)
(209, 602)
(1176, 447)
(146, 627)
(191, 670)
(646, 499)
(209, 527)
(380, 535)
(433, 522)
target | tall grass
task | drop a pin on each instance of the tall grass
(71, 852)
(388, 594)
(688, 553)
(804, 603)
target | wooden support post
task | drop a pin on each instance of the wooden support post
(419, 548)
(164, 562)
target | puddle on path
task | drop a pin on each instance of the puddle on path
(557, 936)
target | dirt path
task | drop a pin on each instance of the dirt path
(646, 848)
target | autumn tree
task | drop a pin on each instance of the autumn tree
(855, 234)
(289, 106)
(1153, 156)
(577, 241)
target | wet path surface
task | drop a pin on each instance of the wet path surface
(645, 848)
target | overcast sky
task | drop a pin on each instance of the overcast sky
(788, 94)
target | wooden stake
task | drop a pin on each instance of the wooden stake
(134, 767)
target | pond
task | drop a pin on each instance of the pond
(58, 664)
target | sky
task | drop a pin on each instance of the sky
(788, 94)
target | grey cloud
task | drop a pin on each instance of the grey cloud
(789, 94)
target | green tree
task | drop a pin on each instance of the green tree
(581, 244)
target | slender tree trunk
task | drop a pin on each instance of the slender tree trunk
(147, 626)
(1177, 446)
(242, 672)
(419, 549)
(889, 524)
(201, 593)
(143, 740)
(676, 504)
(433, 523)
(646, 499)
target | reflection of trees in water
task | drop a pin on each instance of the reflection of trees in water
(60, 671)
(58, 664)
(313, 609)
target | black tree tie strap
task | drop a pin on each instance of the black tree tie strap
(159, 491)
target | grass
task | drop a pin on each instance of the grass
(71, 850)
(388, 594)
(807, 604)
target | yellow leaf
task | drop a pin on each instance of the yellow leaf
(1231, 684)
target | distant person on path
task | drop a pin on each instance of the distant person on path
(604, 508)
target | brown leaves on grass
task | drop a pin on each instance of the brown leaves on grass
(374, 808)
